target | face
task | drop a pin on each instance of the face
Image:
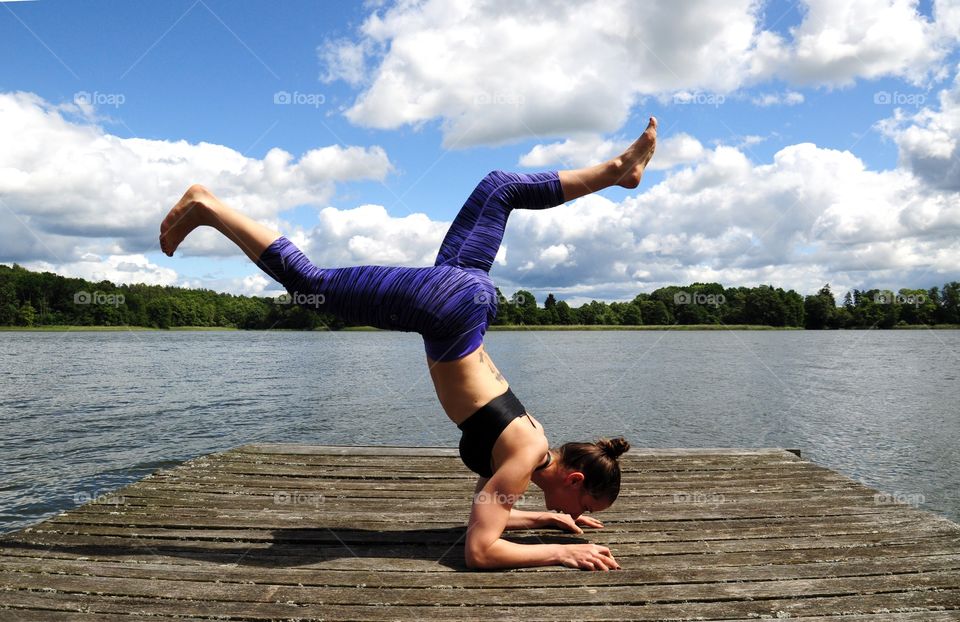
(570, 497)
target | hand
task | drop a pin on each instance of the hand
(588, 557)
(567, 522)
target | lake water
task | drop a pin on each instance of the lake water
(84, 413)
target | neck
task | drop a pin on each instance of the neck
(546, 473)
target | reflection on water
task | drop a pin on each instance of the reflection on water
(87, 412)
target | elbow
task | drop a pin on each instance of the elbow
(475, 558)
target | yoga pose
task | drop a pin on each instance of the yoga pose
(451, 304)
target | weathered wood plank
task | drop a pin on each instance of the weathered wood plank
(137, 551)
(260, 592)
(780, 607)
(687, 573)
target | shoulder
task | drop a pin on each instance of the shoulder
(522, 444)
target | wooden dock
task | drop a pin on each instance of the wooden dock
(294, 532)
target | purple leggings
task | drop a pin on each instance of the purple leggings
(450, 303)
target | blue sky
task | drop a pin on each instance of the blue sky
(849, 94)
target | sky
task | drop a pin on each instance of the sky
(800, 143)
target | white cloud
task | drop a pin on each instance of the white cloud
(586, 150)
(840, 41)
(68, 182)
(342, 60)
(929, 140)
(788, 98)
(369, 235)
(127, 269)
(489, 77)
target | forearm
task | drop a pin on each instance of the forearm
(520, 519)
(505, 554)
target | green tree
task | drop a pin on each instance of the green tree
(820, 309)
(565, 315)
(632, 316)
(26, 314)
(655, 313)
(8, 301)
(950, 303)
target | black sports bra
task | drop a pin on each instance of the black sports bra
(482, 429)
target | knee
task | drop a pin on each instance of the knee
(498, 183)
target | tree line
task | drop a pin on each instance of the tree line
(29, 298)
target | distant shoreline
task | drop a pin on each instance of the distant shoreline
(560, 327)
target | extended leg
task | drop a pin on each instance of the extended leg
(475, 234)
(625, 170)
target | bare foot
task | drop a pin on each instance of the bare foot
(191, 211)
(634, 160)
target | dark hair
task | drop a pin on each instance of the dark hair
(598, 463)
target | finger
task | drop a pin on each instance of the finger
(602, 566)
(612, 562)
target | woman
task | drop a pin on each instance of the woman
(451, 304)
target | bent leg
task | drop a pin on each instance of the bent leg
(476, 233)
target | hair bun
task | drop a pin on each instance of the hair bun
(613, 447)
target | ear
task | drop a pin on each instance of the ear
(573, 478)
